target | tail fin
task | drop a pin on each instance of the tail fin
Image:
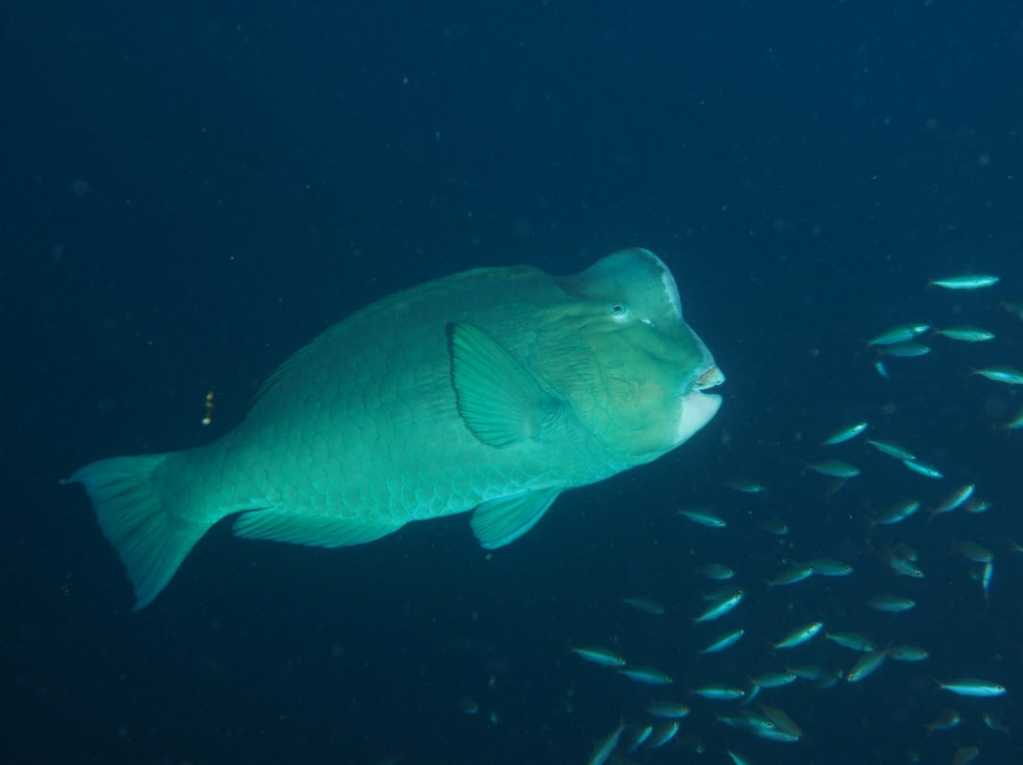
(151, 536)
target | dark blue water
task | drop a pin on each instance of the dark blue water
(194, 191)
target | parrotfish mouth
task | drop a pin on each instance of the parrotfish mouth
(711, 377)
(699, 408)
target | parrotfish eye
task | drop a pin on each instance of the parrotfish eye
(619, 311)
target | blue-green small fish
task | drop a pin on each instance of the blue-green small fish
(721, 606)
(947, 719)
(854, 641)
(645, 605)
(901, 334)
(965, 281)
(746, 487)
(845, 434)
(716, 571)
(737, 759)
(808, 672)
(898, 513)
(646, 675)
(977, 506)
(867, 665)
(881, 369)
(908, 653)
(1002, 374)
(1015, 422)
(703, 518)
(994, 723)
(642, 734)
(799, 636)
(975, 552)
(725, 641)
(759, 723)
(774, 679)
(905, 567)
(663, 733)
(967, 334)
(603, 657)
(719, 693)
(891, 604)
(964, 755)
(922, 468)
(986, 574)
(971, 686)
(892, 450)
(794, 573)
(671, 710)
(830, 567)
(775, 526)
(834, 469)
(954, 501)
(906, 350)
(602, 751)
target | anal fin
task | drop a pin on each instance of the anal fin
(313, 530)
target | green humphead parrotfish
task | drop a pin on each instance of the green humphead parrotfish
(492, 390)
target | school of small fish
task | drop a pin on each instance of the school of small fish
(737, 701)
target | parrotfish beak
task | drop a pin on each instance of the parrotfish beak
(699, 408)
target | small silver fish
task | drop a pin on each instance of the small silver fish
(892, 450)
(646, 675)
(642, 734)
(603, 657)
(965, 281)
(851, 640)
(671, 710)
(605, 746)
(907, 653)
(971, 686)
(644, 605)
(799, 636)
(746, 487)
(716, 571)
(794, 573)
(721, 606)
(922, 468)
(829, 567)
(725, 641)
(719, 693)
(900, 334)
(947, 719)
(663, 733)
(845, 434)
(1002, 374)
(834, 469)
(906, 350)
(954, 500)
(881, 369)
(703, 518)
(898, 513)
(891, 604)
(967, 334)
(867, 665)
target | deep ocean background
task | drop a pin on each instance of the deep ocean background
(192, 191)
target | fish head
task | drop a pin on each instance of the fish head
(644, 392)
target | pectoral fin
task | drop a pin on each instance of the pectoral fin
(502, 521)
(499, 400)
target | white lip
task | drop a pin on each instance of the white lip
(697, 410)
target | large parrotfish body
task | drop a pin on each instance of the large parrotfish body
(491, 390)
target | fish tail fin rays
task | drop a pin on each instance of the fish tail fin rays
(501, 521)
(151, 534)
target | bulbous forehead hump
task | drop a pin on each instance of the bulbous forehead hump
(635, 277)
